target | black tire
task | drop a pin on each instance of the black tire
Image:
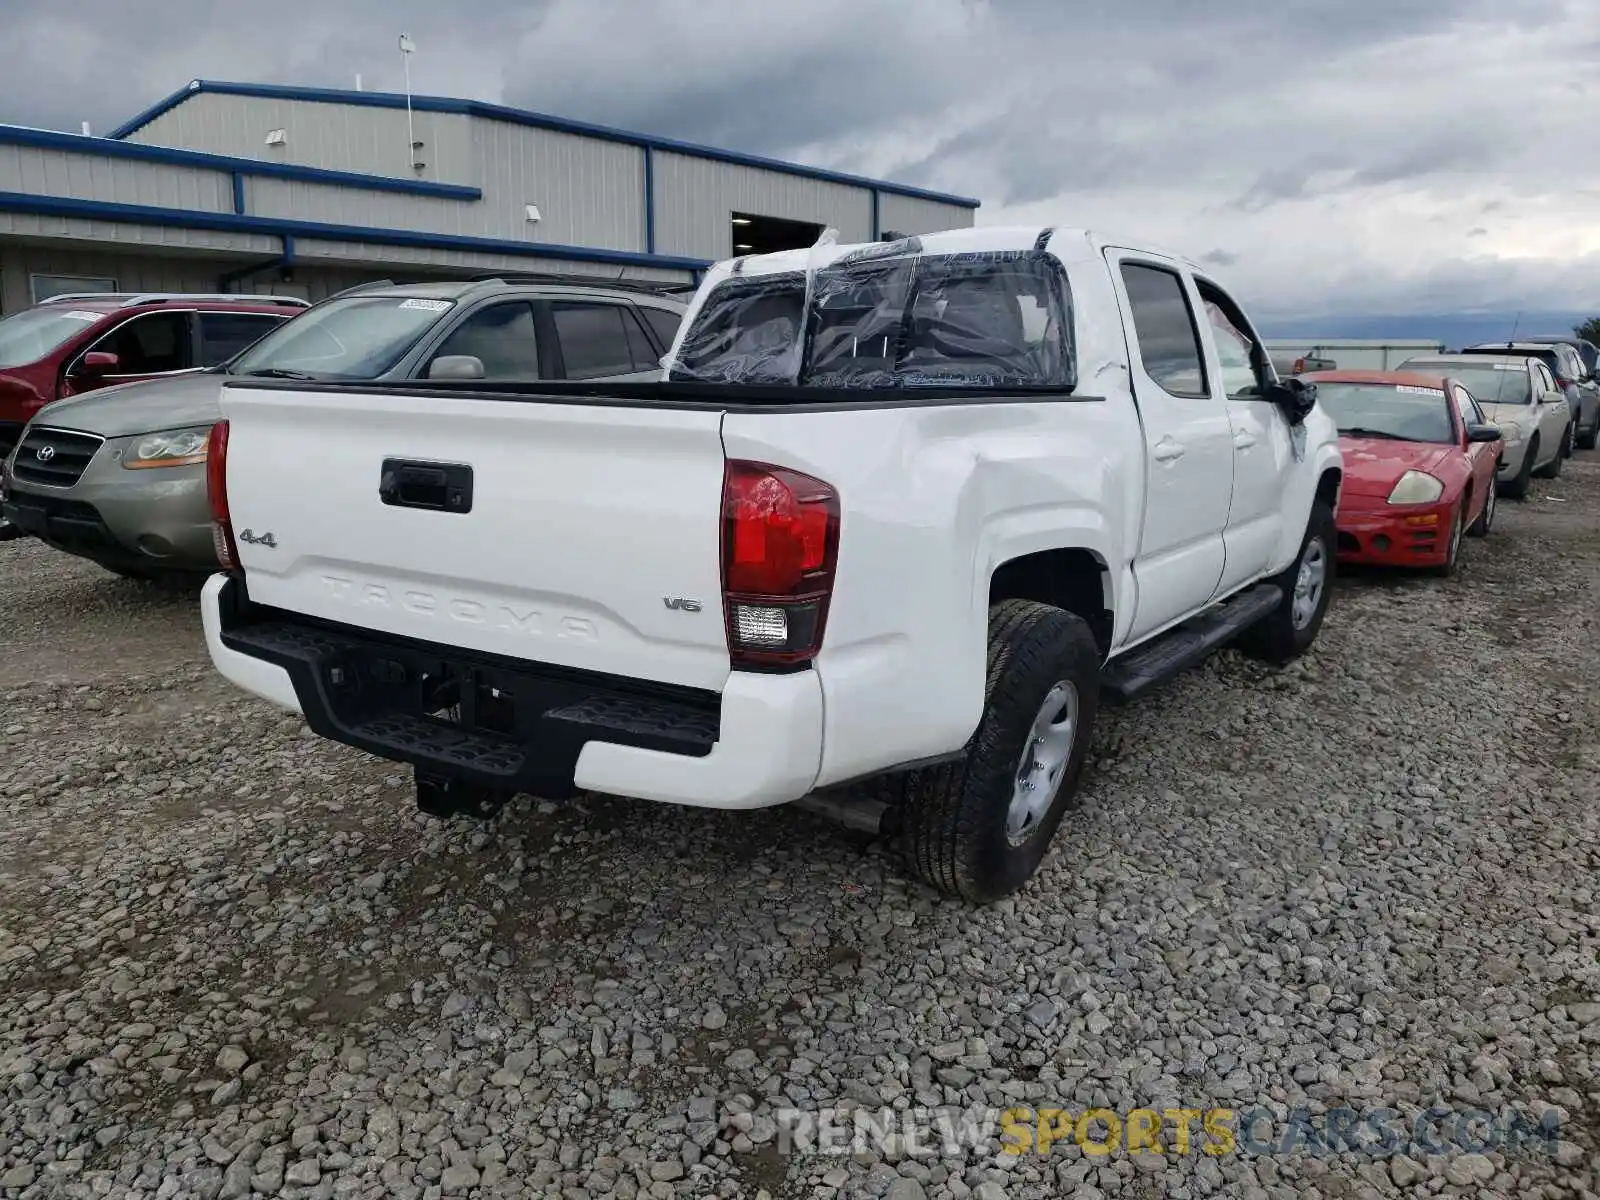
(1452, 558)
(1280, 637)
(1485, 520)
(1552, 469)
(1516, 488)
(954, 817)
(1588, 439)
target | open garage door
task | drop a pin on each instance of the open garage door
(754, 234)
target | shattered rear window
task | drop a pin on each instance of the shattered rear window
(985, 320)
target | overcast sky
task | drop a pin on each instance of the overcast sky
(1331, 156)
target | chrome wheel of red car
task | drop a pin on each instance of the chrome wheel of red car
(1452, 555)
(1485, 521)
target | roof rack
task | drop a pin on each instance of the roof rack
(598, 281)
(361, 287)
(133, 299)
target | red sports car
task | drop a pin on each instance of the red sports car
(1419, 466)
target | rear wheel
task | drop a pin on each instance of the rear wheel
(1516, 488)
(1288, 630)
(1485, 522)
(979, 827)
(1588, 438)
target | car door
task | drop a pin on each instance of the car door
(1551, 412)
(1188, 442)
(226, 334)
(1262, 450)
(147, 346)
(1483, 458)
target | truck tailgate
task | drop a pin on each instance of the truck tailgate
(592, 540)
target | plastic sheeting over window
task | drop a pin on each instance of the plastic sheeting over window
(886, 317)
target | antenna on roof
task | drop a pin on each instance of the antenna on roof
(1515, 325)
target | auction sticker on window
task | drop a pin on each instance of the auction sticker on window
(78, 315)
(426, 305)
(1408, 390)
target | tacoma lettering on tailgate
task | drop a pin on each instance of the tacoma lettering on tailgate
(530, 621)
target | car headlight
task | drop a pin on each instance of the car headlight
(178, 448)
(1416, 487)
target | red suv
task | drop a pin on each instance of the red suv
(76, 343)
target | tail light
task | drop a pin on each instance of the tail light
(780, 545)
(217, 493)
(1299, 366)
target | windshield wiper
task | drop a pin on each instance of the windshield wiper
(280, 373)
(1358, 431)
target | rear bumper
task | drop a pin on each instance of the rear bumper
(1381, 536)
(757, 744)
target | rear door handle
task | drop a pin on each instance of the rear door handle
(1167, 450)
(1243, 440)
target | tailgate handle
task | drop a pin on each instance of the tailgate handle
(442, 487)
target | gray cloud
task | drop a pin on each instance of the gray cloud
(1349, 138)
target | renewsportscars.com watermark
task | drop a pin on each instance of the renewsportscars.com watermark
(1102, 1132)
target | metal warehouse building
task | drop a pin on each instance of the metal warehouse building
(249, 187)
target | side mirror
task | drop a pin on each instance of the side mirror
(456, 366)
(99, 362)
(1295, 397)
(1483, 433)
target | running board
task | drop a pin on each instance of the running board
(1179, 649)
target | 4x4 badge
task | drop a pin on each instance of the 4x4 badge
(265, 539)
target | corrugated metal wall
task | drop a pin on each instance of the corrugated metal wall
(589, 192)
(97, 177)
(132, 272)
(912, 214)
(459, 261)
(338, 137)
(24, 225)
(695, 197)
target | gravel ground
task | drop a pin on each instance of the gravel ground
(234, 961)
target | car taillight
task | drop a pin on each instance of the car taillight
(217, 493)
(780, 544)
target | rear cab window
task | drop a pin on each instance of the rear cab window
(888, 318)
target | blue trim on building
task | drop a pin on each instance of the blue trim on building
(649, 200)
(238, 192)
(140, 214)
(517, 116)
(77, 143)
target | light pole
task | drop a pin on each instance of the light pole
(407, 49)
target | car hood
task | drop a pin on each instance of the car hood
(149, 406)
(1372, 466)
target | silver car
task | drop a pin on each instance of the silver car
(1519, 394)
(118, 476)
(1572, 377)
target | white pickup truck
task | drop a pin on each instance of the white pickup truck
(904, 512)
